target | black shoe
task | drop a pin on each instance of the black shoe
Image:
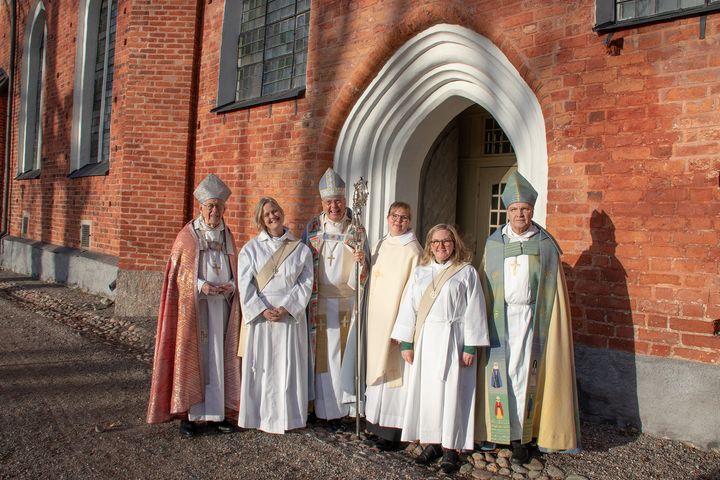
(336, 425)
(520, 455)
(429, 455)
(224, 427)
(385, 445)
(450, 461)
(187, 429)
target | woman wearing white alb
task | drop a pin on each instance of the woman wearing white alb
(275, 281)
(441, 322)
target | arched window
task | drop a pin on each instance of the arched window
(92, 95)
(31, 94)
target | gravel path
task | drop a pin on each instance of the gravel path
(74, 385)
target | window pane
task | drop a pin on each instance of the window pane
(272, 47)
(631, 9)
(496, 142)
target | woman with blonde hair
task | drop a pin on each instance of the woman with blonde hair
(275, 274)
(441, 322)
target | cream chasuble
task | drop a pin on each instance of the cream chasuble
(393, 259)
(213, 267)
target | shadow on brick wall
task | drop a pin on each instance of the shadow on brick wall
(602, 317)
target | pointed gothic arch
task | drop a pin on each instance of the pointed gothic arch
(427, 82)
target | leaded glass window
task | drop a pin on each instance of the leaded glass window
(614, 14)
(272, 47)
(495, 140)
(498, 212)
(102, 94)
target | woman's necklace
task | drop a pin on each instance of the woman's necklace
(276, 261)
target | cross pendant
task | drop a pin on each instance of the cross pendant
(514, 265)
(331, 258)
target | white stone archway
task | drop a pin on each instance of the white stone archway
(424, 85)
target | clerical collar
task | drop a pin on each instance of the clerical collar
(442, 265)
(510, 233)
(339, 225)
(265, 236)
(405, 238)
(199, 224)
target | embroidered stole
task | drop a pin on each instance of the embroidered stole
(544, 263)
(427, 300)
(262, 278)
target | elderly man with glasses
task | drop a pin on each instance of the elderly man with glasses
(332, 239)
(196, 373)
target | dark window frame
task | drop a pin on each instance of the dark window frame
(226, 100)
(605, 15)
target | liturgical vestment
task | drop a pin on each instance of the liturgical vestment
(441, 394)
(393, 260)
(528, 375)
(195, 370)
(274, 394)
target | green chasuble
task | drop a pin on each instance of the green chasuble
(551, 409)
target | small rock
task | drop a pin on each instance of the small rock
(505, 472)
(481, 474)
(519, 469)
(535, 465)
(504, 453)
(503, 462)
(533, 474)
(518, 476)
(574, 476)
(480, 464)
(467, 468)
(477, 456)
(489, 457)
(492, 467)
(554, 472)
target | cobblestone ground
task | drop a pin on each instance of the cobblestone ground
(74, 382)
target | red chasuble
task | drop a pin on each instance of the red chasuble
(177, 380)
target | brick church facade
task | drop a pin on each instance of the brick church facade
(117, 108)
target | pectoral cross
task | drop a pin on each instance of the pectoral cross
(514, 265)
(331, 258)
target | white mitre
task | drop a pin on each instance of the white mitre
(212, 187)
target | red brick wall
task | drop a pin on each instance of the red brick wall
(633, 175)
(154, 61)
(633, 179)
(56, 204)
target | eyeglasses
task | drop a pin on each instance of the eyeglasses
(402, 218)
(210, 206)
(447, 241)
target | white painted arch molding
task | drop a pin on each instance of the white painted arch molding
(425, 84)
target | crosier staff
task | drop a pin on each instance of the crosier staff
(360, 196)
